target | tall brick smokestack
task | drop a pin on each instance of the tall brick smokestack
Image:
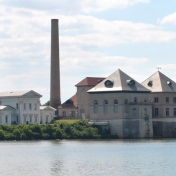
(55, 99)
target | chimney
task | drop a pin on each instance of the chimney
(55, 99)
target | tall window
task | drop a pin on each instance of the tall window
(174, 112)
(105, 106)
(95, 106)
(156, 112)
(35, 119)
(72, 114)
(17, 106)
(25, 119)
(6, 119)
(156, 99)
(30, 106)
(145, 112)
(167, 99)
(35, 106)
(30, 119)
(115, 106)
(174, 99)
(17, 119)
(46, 119)
(134, 112)
(167, 111)
(63, 113)
(24, 106)
(126, 106)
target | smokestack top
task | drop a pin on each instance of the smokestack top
(54, 20)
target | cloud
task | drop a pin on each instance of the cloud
(169, 19)
(70, 7)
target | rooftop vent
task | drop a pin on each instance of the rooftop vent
(169, 82)
(109, 83)
(150, 83)
(130, 82)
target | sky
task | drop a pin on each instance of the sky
(96, 38)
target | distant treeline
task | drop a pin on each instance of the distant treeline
(78, 130)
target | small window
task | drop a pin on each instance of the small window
(174, 112)
(167, 99)
(126, 106)
(156, 112)
(115, 106)
(135, 100)
(95, 106)
(17, 106)
(35, 106)
(167, 111)
(6, 118)
(156, 99)
(30, 119)
(126, 101)
(105, 106)
(145, 112)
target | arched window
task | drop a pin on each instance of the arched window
(126, 106)
(105, 106)
(95, 106)
(134, 112)
(145, 112)
(115, 106)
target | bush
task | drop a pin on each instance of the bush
(2, 134)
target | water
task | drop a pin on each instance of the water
(84, 158)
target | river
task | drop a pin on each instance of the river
(88, 157)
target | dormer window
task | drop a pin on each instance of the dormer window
(109, 83)
(169, 82)
(150, 83)
(130, 82)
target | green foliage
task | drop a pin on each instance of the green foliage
(80, 129)
(47, 103)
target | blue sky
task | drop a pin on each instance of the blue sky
(96, 38)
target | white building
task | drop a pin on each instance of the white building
(21, 107)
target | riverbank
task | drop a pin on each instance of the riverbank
(63, 130)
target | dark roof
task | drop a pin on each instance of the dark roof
(70, 103)
(90, 81)
(159, 82)
(118, 82)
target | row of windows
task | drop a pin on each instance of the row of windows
(156, 100)
(30, 119)
(30, 106)
(72, 114)
(167, 112)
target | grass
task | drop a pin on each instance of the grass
(69, 121)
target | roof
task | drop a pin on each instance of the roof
(2, 107)
(70, 103)
(47, 108)
(24, 93)
(90, 81)
(118, 82)
(159, 82)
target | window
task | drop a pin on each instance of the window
(72, 114)
(167, 111)
(145, 112)
(17, 118)
(30, 106)
(105, 106)
(63, 113)
(156, 112)
(25, 119)
(6, 119)
(174, 112)
(17, 106)
(174, 99)
(156, 99)
(167, 99)
(24, 106)
(95, 106)
(35, 119)
(35, 106)
(135, 100)
(46, 119)
(134, 112)
(126, 106)
(115, 106)
(30, 119)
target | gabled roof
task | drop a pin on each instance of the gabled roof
(90, 81)
(25, 93)
(118, 81)
(70, 103)
(4, 107)
(47, 108)
(158, 82)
